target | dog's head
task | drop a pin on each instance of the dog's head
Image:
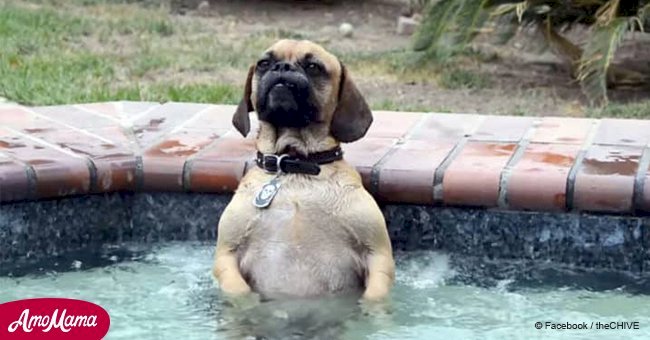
(296, 84)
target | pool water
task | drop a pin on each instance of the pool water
(166, 292)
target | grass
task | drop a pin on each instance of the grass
(456, 78)
(58, 52)
(75, 51)
(390, 105)
(629, 110)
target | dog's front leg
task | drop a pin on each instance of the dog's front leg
(372, 231)
(229, 237)
(381, 273)
(226, 270)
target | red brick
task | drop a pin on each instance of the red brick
(162, 119)
(75, 117)
(115, 173)
(605, 181)
(473, 177)
(111, 109)
(538, 181)
(221, 167)
(57, 173)
(388, 124)
(364, 154)
(135, 109)
(632, 132)
(14, 183)
(163, 163)
(562, 130)
(117, 136)
(407, 175)
(217, 118)
(81, 143)
(448, 127)
(503, 129)
(21, 119)
(114, 162)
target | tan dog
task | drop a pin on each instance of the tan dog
(320, 233)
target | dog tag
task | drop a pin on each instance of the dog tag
(267, 193)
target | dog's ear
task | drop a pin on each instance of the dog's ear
(240, 119)
(352, 116)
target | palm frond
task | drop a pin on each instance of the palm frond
(458, 20)
(643, 18)
(607, 12)
(472, 17)
(597, 57)
(436, 23)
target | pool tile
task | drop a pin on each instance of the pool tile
(109, 109)
(14, 183)
(605, 181)
(113, 161)
(538, 181)
(163, 163)
(217, 118)
(57, 173)
(220, 167)
(117, 135)
(84, 140)
(557, 130)
(364, 154)
(645, 203)
(407, 175)
(632, 132)
(163, 119)
(389, 124)
(132, 110)
(503, 129)
(115, 173)
(24, 120)
(80, 143)
(72, 116)
(449, 127)
(474, 175)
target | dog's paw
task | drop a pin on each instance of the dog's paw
(245, 301)
(376, 293)
(234, 286)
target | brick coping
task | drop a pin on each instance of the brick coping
(514, 163)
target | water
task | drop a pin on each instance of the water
(168, 293)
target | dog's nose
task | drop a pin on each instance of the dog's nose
(283, 66)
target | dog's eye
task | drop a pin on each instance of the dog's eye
(263, 64)
(313, 68)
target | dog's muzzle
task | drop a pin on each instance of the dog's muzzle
(285, 99)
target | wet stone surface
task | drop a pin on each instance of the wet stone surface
(33, 231)
(590, 241)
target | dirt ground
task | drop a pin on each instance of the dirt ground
(521, 79)
(182, 42)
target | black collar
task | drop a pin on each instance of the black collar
(298, 165)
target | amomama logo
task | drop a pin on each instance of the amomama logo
(53, 318)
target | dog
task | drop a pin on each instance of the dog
(301, 224)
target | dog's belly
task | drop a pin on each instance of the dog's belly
(286, 255)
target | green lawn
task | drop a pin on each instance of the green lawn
(114, 51)
(74, 51)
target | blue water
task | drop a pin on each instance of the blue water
(167, 293)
